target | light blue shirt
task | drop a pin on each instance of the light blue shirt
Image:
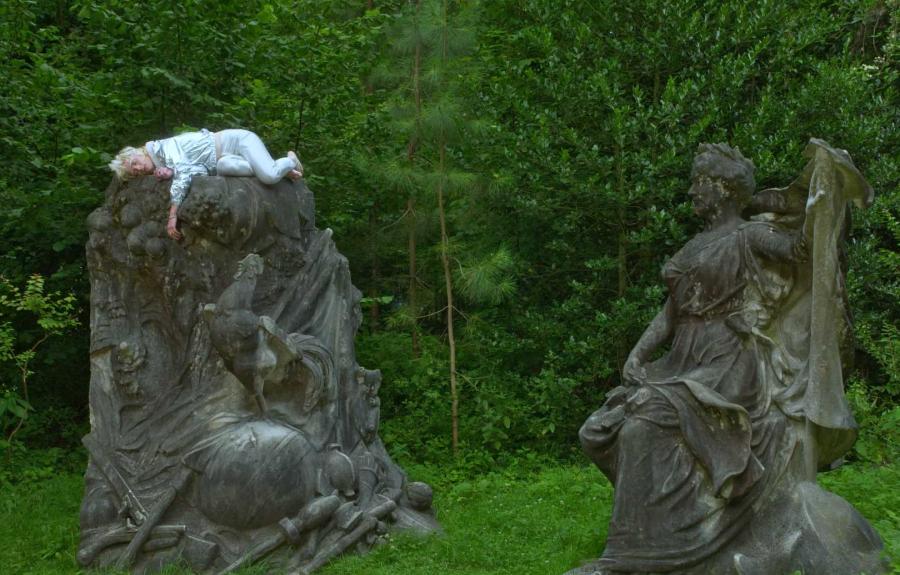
(187, 155)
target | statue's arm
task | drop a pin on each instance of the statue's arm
(777, 244)
(657, 333)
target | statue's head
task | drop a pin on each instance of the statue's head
(250, 266)
(725, 167)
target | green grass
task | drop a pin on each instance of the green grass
(39, 526)
(546, 523)
(543, 522)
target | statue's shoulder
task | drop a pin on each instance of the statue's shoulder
(756, 225)
(755, 229)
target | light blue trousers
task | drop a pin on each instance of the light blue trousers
(244, 154)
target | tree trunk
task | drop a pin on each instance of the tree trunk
(622, 215)
(411, 249)
(445, 256)
(448, 283)
(374, 290)
(411, 202)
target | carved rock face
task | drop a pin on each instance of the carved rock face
(229, 416)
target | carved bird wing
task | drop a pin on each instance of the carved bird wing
(278, 343)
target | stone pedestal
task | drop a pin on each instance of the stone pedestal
(230, 421)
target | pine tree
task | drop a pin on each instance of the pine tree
(429, 117)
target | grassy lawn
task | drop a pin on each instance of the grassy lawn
(545, 522)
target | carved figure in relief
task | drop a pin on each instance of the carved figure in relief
(253, 347)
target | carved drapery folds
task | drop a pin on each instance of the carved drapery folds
(713, 447)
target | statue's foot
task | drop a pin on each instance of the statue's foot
(293, 155)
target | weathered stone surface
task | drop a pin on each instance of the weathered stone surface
(713, 448)
(230, 421)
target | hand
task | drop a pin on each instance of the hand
(163, 173)
(818, 198)
(634, 372)
(172, 229)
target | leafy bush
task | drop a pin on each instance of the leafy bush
(52, 314)
(26, 465)
(879, 438)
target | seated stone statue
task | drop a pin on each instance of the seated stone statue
(714, 446)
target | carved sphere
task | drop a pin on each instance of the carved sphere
(135, 242)
(340, 471)
(99, 220)
(131, 215)
(254, 474)
(420, 495)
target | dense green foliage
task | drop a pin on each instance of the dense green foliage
(53, 314)
(586, 114)
(518, 522)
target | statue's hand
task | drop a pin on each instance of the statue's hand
(634, 372)
(818, 198)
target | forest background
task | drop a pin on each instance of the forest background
(523, 165)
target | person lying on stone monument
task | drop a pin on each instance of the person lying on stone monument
(223, 153)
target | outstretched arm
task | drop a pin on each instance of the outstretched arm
(172, 223)
(181, 183)
(657, 333)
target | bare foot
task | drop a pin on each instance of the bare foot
(292, 155)
(294, 175)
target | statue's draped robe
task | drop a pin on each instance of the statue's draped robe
(697, 445)
(741, 409)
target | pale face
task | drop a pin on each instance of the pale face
(140, 165)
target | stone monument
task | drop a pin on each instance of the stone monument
(733, 396)
(230, 421)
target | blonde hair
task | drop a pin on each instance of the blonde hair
(120, 163)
